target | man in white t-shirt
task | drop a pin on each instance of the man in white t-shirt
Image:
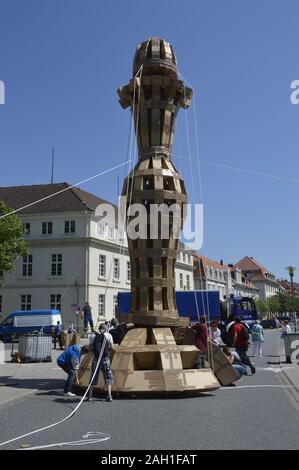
(100, 344)
(286, 329)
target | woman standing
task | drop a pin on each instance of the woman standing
(215, 333)
(257, 333)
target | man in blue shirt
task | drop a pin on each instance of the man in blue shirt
(57, 335)
(86, 314)
(69, 361)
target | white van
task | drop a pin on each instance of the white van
(27, 321)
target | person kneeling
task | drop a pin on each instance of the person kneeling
(235, 361)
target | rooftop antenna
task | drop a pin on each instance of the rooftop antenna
(52, 169)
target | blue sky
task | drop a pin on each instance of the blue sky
(63, 60)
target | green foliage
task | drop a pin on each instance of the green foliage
(262, 307)
(274, 304)
(11, 243)
(277, 304)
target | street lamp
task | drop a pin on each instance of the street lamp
(291, 270)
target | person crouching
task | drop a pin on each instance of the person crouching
(235, 361)
(69, 362)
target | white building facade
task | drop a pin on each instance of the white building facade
(211, 275)
(74, 257)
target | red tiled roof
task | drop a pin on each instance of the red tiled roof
(68, 200)
(210, 263)
(259, 272)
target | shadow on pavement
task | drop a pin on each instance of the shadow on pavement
(39, 384)
(277, 363)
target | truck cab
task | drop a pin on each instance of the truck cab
(243, 307)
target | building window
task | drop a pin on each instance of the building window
(47, 228)
(116, 268)
(181, 281)
(111, 233)
(178, 256)
(27, 265)
(69, 226)
(102, 265)
(189, 259)
(101, 308)
(100, 230)
(55, 301)
(26, 302)
(0, 303)
(115, 305)
(211, 272)
(184, 257)
(128, 271)
(188, 281)
(56, 265)
(26, 228)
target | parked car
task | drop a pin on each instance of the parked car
(26, 321)
(269, 323)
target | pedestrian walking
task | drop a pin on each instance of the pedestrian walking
(69, 362)
(257, 334)
(241, 342)
(100, 345)
(286, 329)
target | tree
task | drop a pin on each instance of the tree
(274, 304)
(11, 243)
(262, 307)
(291, 270)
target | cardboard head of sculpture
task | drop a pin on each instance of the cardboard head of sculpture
(157, 58)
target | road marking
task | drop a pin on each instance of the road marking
(276, 370)
(256, 386)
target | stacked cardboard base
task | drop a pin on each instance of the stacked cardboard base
(149, 361)
(68, 339)
(218, 361)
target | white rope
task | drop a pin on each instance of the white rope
(132, 158)
(86, 439)
(63, 190)
(72, 412)
(244, 170)
(205, 311)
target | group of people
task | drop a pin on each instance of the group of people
(57, 333)
(101, 344)
(234, 339)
